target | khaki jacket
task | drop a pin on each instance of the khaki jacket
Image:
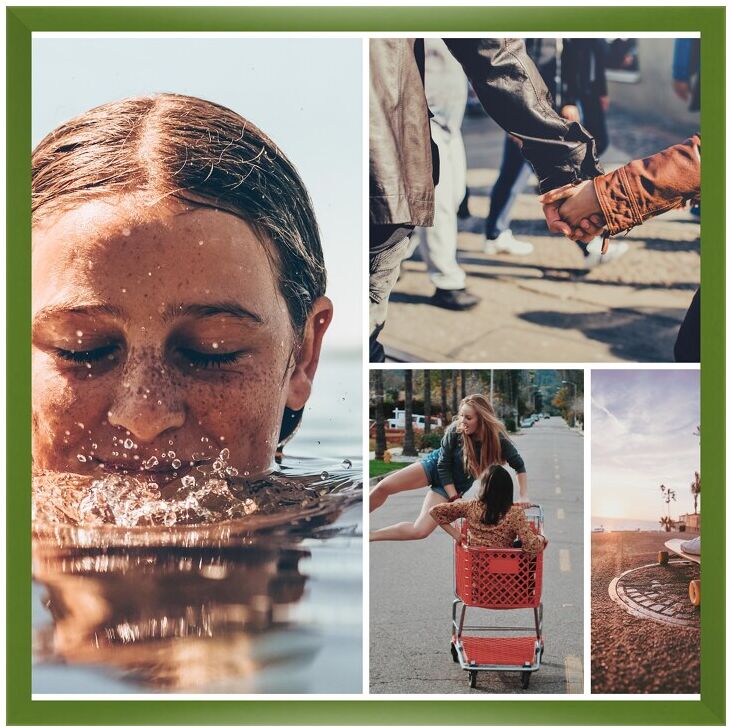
(403, 163)
(648, 187)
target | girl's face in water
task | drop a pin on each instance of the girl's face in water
(160, 334)
(468, 420)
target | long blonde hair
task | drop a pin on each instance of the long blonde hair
(489, 431)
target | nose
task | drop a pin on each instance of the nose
(147, 403)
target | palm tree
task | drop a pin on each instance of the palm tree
(427, 401)
(443, 396)
(379, 414)
(666, 523)
(453, 378)
(408, 449)
(668, 494)
(696, 489)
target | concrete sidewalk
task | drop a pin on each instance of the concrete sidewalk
(544, 307)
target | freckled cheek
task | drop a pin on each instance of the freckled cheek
(68, 414)
(246, 411)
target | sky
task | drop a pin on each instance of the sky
(305, 93)
(643, 425)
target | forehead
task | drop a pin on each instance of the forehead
(124, 251)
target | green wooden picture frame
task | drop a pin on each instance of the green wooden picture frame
(21, 23)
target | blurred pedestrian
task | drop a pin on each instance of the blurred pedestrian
(446, 89)
(573, 70)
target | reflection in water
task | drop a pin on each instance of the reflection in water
(242, 604)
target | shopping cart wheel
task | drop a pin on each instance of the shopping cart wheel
(453, 651)
(695, 593)
(472, 674)
(525, 679)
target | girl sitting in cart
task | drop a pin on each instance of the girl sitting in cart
(472, 445)
(493, 519)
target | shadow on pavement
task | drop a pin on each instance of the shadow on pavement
(645, 334)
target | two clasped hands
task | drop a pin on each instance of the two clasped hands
(574, 211)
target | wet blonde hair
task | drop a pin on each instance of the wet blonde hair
(489, 432)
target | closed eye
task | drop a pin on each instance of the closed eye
(209, 360)
(89, 356)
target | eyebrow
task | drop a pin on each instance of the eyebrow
(89, 311)
(197, 310)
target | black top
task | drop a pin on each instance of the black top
(450, 467)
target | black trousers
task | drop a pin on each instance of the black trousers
(687, 348)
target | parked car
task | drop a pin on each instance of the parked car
(527, 422)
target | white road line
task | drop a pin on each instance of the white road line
(557, 490)
(573, 674)
(564, 563)
(560, 513)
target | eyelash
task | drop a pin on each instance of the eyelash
(210, 360)
(90, 356)
(197, 358)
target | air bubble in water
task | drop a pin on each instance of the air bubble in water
(224, 454)
(171, 454)
(232, 471)
(128, 444)
(176, 464)
(324, 475)
(170, 518)
(346, 464)
(188, 481)
(81, 457)
(150, 462)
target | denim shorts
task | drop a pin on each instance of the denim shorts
(429, 463)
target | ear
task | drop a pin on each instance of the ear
(306, 363)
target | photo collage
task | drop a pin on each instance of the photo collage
(298, 434)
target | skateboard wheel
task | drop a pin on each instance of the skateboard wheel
(695, 593)
(663, 557)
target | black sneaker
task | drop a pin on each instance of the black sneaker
(454, 299)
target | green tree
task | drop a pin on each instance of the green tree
(408, 449)
(379, 414)
(427, 401)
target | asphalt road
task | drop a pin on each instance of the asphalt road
(411, 585)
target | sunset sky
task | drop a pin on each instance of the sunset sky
(643, 425)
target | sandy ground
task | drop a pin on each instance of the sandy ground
(630, 654)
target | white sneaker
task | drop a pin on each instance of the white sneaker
(507, 243)
(595, 257)
(692, 547)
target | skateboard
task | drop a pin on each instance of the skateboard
(675, 547)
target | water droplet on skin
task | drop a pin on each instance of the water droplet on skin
(81, 457)
(150, 463)
(94, 445)
(170, 518)
(171, 454)
(79, 334)
(128, 444)
(224, 454)
(126, 232)
(188, 481)
(232, 471)
(124, 290)
(160, 403)
(346, 464)
(222, 439)
(200, 242)
(214, 345)
(176, 464)
(67, 433)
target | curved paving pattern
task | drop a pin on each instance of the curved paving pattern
(658, 592)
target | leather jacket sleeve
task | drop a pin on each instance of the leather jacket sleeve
(648, 187)
(511, 90)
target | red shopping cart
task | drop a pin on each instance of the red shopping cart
(498, 579)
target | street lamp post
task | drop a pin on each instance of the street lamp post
(574, 401)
